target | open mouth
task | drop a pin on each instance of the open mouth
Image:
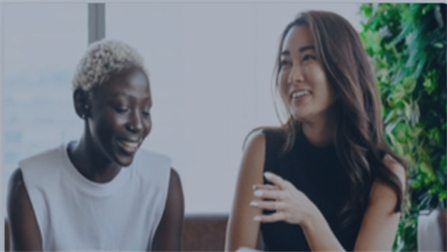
(299, 94)
(129, 146)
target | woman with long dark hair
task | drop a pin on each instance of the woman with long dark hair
(325, 179)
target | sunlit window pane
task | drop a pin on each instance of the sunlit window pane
(43, 43)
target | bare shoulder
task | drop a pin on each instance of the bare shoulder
(25, 233)
(381, 219)
(254, 152)
(168, 234)
(18, 199)
(381, 191)
(255, 141)
(396, 167)
(175, 194)
(242, 230)
(174, 208)
(252, 164)
(16, 186)
(17, 194)
(174, 178)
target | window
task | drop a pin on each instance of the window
(42, 44)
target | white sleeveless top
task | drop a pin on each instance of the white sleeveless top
(74, 213)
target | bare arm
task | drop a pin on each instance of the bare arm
(242, 230)
(169, 231)
(24, 230)
(379, 225)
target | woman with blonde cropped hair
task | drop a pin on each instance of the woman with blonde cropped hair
(326, 179)
(100, 192)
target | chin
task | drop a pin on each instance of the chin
(124, 160)
(298, 116)
(302, 113)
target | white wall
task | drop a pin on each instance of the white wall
(211, 68)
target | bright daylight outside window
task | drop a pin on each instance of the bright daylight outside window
(43, 43)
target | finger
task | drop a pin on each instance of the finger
(268, 205)
(268, 194)
(278, 216)
(276, 180)
(264, 187)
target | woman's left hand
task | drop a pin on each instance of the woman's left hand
(291, 205)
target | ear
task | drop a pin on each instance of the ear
(81, 103)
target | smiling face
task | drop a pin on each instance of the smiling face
(302, 81)
(120, 117)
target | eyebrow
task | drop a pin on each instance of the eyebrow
(149, 98)
(302, 49)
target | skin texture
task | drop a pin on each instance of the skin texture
(241, 229)
(300, 70)
(114, 111)
(24, 231)
(169, 232)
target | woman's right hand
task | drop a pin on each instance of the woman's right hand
(290, 204)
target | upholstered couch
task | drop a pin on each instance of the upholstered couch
(201, 232)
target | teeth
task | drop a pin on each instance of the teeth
(129, 144)
(300, 93)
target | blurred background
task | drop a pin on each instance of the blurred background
(211, 68)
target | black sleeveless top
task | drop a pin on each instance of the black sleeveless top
(317, 172)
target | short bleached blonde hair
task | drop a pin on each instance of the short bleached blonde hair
(102, 59)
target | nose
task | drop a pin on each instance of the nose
(296, 74)
(135, 122)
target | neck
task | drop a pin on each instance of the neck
(320, 130)
(91, 162)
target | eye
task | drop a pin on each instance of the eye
(121, 110)
(308, 57)
(146, 113)
(284, 63)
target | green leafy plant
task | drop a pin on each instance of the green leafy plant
(407, 46)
